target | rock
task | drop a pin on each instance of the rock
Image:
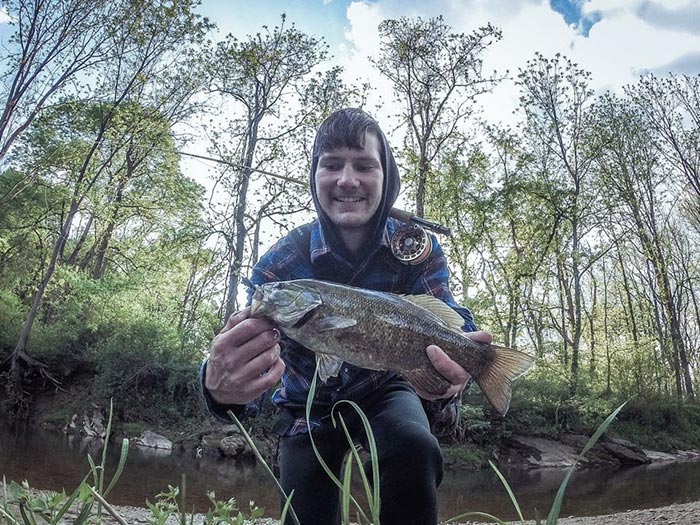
(531, 452)
(627, 455)
(209, 444)
(598, 456)
(94, 426)
(230, 430)
(233, 446)
(688, 454)
(655, 455)
(152, 440)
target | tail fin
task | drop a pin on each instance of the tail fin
(495, 381)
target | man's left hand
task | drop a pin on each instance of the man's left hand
(449, 369)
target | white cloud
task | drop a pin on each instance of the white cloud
(686, 65)
(625, 43)
(683, 17)
(4, 15)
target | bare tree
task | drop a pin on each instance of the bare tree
(53, 48)
(555, 97)
(437, 76)
(260, 76)
(635, 178)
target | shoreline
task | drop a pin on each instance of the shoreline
(676, 514)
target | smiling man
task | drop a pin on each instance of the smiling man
(354, 183)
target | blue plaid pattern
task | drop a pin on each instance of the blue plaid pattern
(304, 254)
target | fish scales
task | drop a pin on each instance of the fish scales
(390, 334)
(385, 331)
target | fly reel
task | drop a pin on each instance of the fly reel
(411, 244)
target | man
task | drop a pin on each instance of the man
(354, 183)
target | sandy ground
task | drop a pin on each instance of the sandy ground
(678, 514)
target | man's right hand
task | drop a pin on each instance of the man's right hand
(244, 361)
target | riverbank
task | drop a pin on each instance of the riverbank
(677, 514)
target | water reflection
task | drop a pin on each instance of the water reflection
(589, 492)
(53, 461)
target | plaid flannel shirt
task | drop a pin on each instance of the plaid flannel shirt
(304, 254)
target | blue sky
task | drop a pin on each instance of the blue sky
(616, 40)
(572, 11)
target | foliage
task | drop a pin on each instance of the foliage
(464, 456)
(575, 230)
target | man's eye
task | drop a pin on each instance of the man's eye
(330, 166)
(365, 167)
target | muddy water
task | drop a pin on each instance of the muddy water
(53, 461)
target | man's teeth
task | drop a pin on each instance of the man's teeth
(348, 199)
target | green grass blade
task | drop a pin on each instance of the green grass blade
(347, 479)
(508, 490)
(262, 461)
(556, 506)
(103, 463)
(10, 519)
(120, 468)
(93, 470)
(484, 515)
(84, 515)
(70, 500)
(324, 465)
(5, 509)
(183, 499)
(287, 507)
(354, 454)
(25, 517)
(108, 507)
(374, 498)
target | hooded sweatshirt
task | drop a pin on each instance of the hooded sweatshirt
(390, 188)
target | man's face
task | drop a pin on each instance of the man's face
(349, 184)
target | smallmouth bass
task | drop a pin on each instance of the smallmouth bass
(385, 331)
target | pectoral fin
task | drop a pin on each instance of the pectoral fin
(333, 322)
(328, 366)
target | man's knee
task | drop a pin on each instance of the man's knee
(412, 447)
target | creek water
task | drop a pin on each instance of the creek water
(52, 461)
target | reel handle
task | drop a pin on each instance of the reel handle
(411, 218)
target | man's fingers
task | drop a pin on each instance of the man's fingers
(480, 336)
(235, 318)
(449, 369)
(244, 331)
(257, 345)
(269, 379)
(259, 365)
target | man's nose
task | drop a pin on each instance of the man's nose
(348, 177)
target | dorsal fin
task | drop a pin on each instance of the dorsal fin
(435, 306)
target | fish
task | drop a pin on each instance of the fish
(385, 331)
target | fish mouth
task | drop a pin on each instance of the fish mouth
(257, 302)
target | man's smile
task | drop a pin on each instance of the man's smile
(348, 199)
